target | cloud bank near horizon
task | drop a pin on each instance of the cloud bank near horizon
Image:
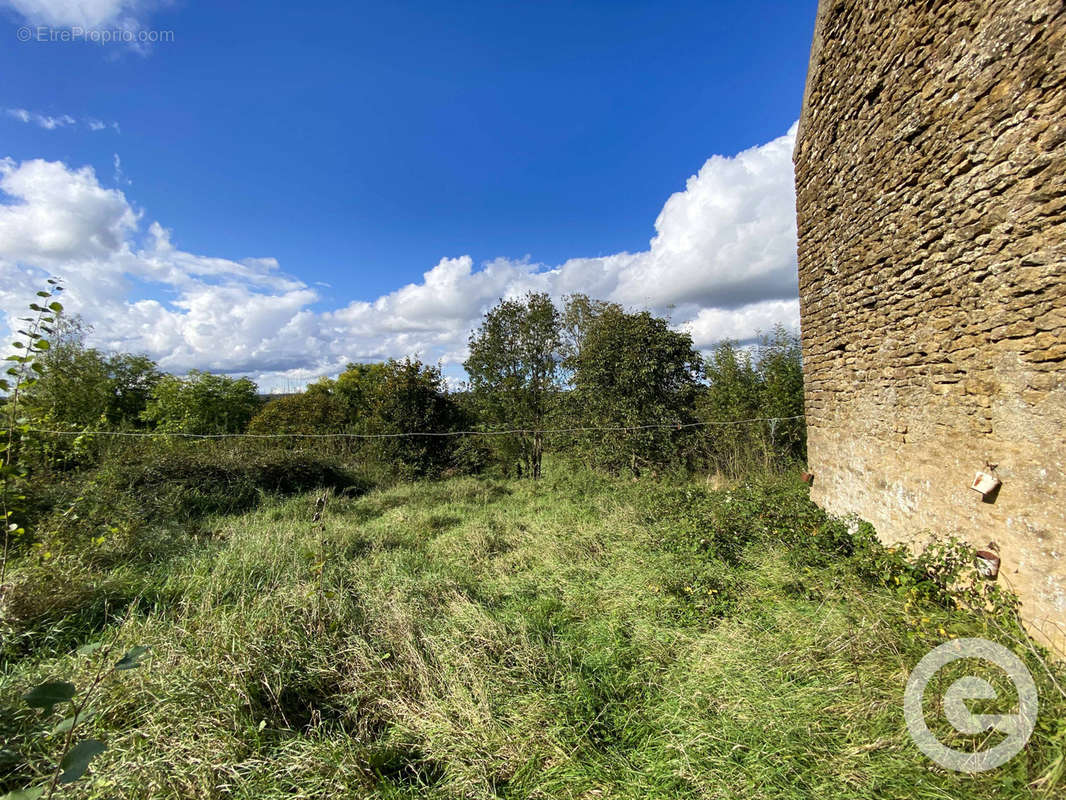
(722, 264)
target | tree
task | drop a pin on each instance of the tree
(779, 362)
(631, 370)
(131, 381)
(733, 385)
(73, 386)
(411, 397)
(377, 400)
(82, 387)
(202, 403)
(317, 410)
(21, 375)
(513, 368)
(764, 384)
(733, 393)
(355, 388)
(579, 312)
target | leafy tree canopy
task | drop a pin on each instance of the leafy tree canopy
(514, 369)
(632, 369)
(315, 411)
(80, 386)
(409, 396)
(202, 403)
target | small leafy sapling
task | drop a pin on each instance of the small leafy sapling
(75, 755)
(19, 376)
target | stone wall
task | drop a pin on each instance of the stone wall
(931, 199)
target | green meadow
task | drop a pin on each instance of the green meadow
(579, 636)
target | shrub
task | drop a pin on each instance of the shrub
(471, 455)
(95, 531)
(318, 410)
(186, 483)
(411, 397)
(202, 403)
(159, 486)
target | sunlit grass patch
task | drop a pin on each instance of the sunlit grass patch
(577, 637)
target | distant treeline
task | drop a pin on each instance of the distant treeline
(533, 366)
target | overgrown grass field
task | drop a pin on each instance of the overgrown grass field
(576, 637)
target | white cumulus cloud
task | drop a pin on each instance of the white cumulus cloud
(62, 215)
(722, 264)
(729, 238)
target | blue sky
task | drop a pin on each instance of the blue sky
(307, 167)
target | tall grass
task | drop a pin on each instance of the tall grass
(476, 638)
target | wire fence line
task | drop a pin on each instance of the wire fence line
(585, 429)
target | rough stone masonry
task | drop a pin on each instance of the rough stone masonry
(931, 205)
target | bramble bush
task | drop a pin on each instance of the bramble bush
(725, 525)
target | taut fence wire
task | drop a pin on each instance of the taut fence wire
(584, 429)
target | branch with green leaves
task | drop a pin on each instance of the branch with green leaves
(21, 375)
(75, 756)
